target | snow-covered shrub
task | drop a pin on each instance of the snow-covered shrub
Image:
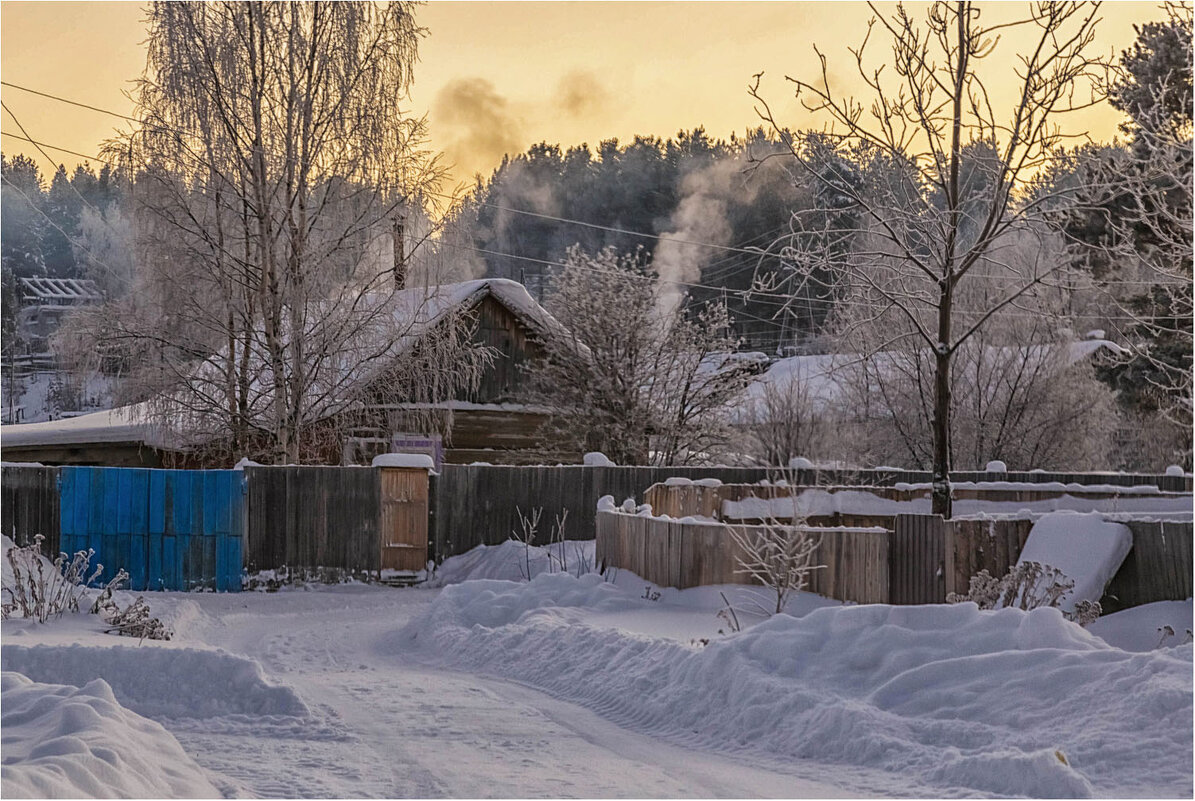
(525, 534)
(285, 576)
(1028, 585)
(134, 621)
(40, 588)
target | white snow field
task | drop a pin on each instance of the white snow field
(567, 687)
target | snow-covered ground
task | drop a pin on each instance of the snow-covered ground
(479, 686)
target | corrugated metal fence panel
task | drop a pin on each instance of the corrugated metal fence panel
(29, 506)
(168, 529)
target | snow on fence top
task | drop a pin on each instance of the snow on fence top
(416, 460)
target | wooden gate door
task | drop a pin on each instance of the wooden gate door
(403, 526)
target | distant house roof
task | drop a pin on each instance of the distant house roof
(125, 424)
(59, 290)
(824, 376)
(416, 311)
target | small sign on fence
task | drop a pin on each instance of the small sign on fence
(428, 444)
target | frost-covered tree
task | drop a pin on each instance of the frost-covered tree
(932, 217)
(640, 384)
(275, 167)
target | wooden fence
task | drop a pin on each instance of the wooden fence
(919, 559)
(29, 505)
(675, 554)
(477, 504)
(1158, 568)
(313, 517)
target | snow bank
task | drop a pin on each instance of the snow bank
(75, 742)
(508, 561)
(952, 695)
(161, 682)
(420, 460)
(1138, 628)
(1086, 548)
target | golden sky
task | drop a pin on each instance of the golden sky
(497, 77)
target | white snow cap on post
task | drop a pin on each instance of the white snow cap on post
(996, 466)
(800, 463)
(597, 459)
(420, 460)
(1174, 470)
(606, 504)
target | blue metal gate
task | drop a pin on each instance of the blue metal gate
(169, 529)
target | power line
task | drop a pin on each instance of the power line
(612, 229)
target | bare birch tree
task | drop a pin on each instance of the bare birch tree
(933, 215)
(275, 168)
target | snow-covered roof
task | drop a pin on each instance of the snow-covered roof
(52, 290)
(122, 424)
(412, 313)
(823, 377)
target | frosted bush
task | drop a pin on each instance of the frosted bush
(1028, 585)
(41, 589)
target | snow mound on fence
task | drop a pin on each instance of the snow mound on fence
(1086, 548)
(959, 697)
(161, 682)
(76, 742)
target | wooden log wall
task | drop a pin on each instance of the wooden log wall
(29, 505)
(309, 517)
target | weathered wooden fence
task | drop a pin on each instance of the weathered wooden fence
(919, 559)
(1158, 568)
(29, 505)
(311, 517)
(675, 554)
(478, 504)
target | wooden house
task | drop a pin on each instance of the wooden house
(491, 424)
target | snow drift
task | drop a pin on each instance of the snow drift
(161, 682)
(74, 742)
(1004, 702)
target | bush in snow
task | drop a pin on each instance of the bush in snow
(132, 621)
(778, 554)
(39, 588)
(1028, 585)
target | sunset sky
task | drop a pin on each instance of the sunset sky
(497, 77)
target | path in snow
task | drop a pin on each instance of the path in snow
(392, 728)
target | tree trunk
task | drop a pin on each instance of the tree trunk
(941, 500)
